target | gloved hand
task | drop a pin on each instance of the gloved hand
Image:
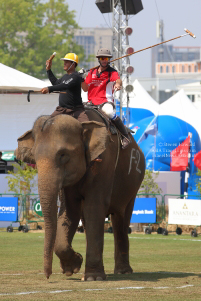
(82, 72)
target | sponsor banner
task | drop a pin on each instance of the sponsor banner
(144, 210)
(184, 212)
(9, 209)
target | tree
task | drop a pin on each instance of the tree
(32, 30)
(22, 180)
(149, 186)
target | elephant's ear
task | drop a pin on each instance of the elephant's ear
(95, 139)
(24, 150)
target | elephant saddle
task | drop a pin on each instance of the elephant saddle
(108, 122)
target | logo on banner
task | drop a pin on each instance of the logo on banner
(4, 209)
(185, 207)
(38, 209)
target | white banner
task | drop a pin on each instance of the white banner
(184, 212)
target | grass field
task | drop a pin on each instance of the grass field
(165, 268)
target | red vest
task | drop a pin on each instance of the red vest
(101, 85)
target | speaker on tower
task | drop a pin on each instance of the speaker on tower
(105, 6)
(131, 7)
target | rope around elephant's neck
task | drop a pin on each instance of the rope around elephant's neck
(118, 149)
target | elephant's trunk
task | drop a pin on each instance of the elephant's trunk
(48, 187)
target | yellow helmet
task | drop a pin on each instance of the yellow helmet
(70, 57)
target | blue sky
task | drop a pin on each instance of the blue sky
(176, 15)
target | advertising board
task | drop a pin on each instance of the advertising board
(144, 210)
(184, 212)
(9, 209)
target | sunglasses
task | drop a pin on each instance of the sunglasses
(104, 58)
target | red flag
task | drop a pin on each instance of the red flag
(197, 160)
(179, 156)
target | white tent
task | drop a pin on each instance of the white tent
(14, 80)
(180, 106)
(17, 115)
(140, 99)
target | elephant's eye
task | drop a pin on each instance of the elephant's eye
(62, 157)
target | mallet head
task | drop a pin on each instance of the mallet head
(190, 33)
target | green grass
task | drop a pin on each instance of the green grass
(166, 268)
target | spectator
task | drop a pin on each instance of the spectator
(2, 162)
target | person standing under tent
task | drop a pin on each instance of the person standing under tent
(2, 162)
(100, 83)
(70, 100)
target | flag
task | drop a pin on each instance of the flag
(151, 129)
(197, 160)
(179, 156)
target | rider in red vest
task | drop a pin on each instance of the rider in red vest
(100, 83)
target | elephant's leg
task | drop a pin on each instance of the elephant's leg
(94, 216)
(120, 228)
(69, 216)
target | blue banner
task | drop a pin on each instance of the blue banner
(144, 211)
(8, 209)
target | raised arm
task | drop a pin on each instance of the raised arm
(51, 76)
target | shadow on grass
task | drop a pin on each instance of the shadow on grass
(152, 276)
(147, 276)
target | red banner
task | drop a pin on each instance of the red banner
(197, 160)
(179, 156)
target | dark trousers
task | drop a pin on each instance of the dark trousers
(77, 112)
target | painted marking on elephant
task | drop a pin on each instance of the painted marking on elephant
(135, 155)
(103, 289)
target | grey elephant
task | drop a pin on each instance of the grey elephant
(65, 151)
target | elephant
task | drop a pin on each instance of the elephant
(65, 152)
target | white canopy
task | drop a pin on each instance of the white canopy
(180, 106)
(17, 115)
(14, 80)
(140, 99)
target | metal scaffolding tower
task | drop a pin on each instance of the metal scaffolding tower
(120, 46)
(120, 10)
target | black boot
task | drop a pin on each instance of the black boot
(120, 126)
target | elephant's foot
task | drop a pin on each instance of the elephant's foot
(94, 273)
(71, 265)
(94, 276)
(123, 269)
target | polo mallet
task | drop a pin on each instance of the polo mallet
(38, 92)
(188, 32)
